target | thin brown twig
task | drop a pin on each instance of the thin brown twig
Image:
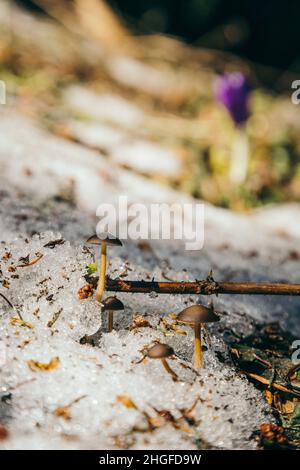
(204, 287)
(40, 256)
(6, 299)
(75, 400)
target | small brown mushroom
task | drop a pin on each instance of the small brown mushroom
(162, 351)
(195, 316)
(103, 240)
(112, 304)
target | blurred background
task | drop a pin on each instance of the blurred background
(195, 94)
(265, 32)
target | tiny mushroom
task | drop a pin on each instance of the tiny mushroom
(104, 239)
(195, 316)
(162, 351)
(112, 304)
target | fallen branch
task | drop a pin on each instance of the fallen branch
(205, 287)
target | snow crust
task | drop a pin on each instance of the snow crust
(109, 394)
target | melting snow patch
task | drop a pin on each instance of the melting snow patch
(65, 394)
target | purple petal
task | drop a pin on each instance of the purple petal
(232, 90)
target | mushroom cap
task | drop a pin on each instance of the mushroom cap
(197, 314)
(112, 303)
(160, 351)
(104, 237)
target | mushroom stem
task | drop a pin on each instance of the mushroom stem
(101, 284)
(110, 320)
(197, 351)
(169, 369)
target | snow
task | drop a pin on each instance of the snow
(101, 374)
(141, 155)
(105, 107)
(149, 158)
(229, 409)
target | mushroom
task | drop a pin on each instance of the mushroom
(112, 304)
(103, 240)
(162, 351)
(195, 316)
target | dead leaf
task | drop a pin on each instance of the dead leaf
(287, 407)
(55, 317)
(44, 366)
(272, 433)
(53, 243)
(166, 414)
(138, 321)
(85, 291)
(63, 412)
(25, 343)
(235, 352)
(126, 401)
(15, 321)
(269, 397)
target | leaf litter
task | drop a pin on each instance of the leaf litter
(265, 357)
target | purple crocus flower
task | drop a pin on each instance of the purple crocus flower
(232, 90)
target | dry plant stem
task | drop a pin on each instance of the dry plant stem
(101, 284)
(169, 369)
(11, 305)
(205, 287)
(6, 300)
(76, 400)
(110, 320)
(31, 263)
(274, 385)
(197, 350)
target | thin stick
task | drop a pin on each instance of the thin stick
(205, 287)
(197, 349)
